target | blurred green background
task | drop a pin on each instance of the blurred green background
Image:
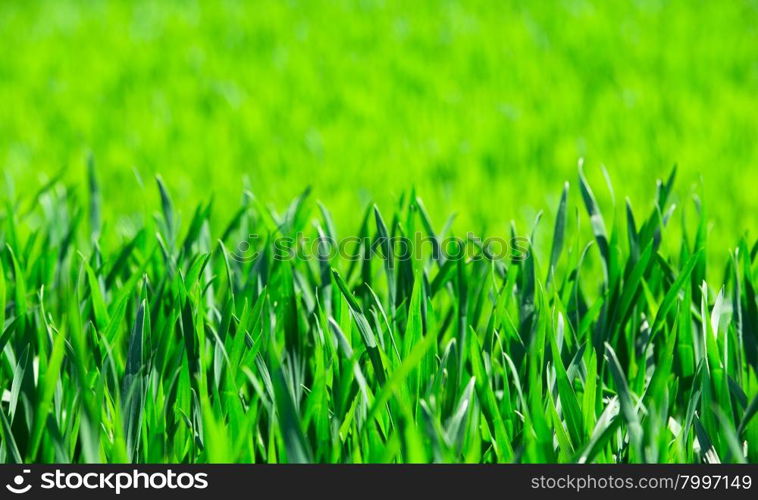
(483, 106)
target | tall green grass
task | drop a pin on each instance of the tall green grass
(187, 341)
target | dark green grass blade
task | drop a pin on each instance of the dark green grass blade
(558, 233)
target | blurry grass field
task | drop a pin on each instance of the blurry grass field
(484, 107)
(140, 320)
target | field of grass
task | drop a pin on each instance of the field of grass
(213, 246)
(174, 348)
(483, 106)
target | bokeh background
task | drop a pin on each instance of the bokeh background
(483, 106)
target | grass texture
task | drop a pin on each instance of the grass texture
(197, 343)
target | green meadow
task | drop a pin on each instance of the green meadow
(378, 231)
